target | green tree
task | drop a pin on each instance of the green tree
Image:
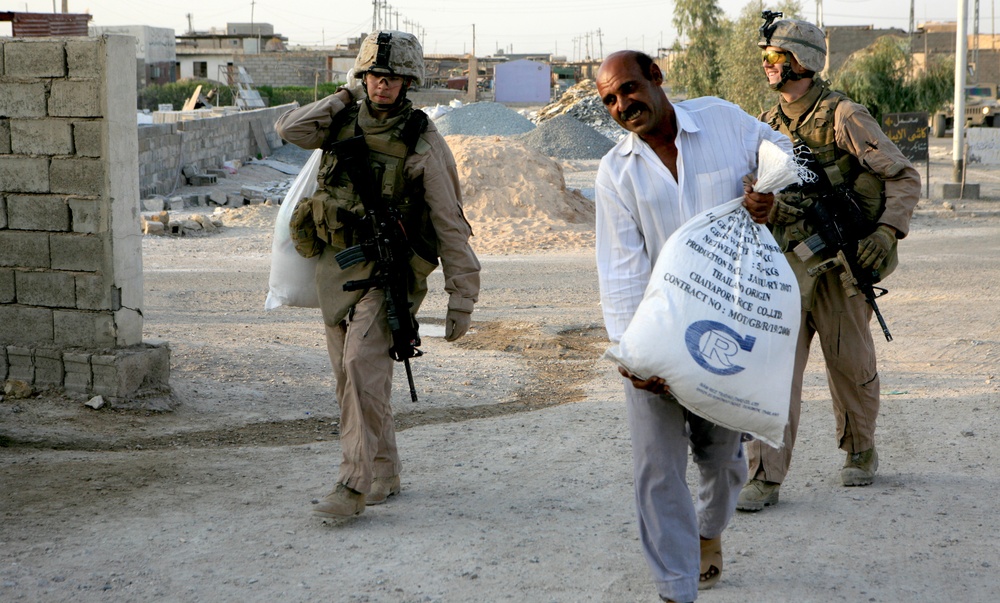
(177, 93)
(742, 78)
(881, 77)
(696, 69)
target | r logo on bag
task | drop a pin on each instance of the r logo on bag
(714, 346)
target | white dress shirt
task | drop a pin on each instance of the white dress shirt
(640, 204)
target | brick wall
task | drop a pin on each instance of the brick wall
(70, 250)
(207, 142)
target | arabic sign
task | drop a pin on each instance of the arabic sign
(984, 146)
(909, 132)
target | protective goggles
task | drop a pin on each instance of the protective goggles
(391, 81)
(774, 57)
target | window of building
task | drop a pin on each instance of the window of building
(201, 69)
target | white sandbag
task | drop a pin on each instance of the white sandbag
(293, 278)
(720, 317)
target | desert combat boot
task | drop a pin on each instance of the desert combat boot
(859, 468)
(342, 502)
(382, 488)
(758, 494)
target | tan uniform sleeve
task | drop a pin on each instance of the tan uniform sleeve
(309, 125)
(443, 195)
(858, 133)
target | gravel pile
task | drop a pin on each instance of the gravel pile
(483, 119)
(566, 137)
(581, 101)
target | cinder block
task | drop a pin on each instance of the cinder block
(49, 289)
(48, 368)
(20, 363)
(7, 291)
(24, 325)
(83, 58)
(41, 137)
(92, 293)
(22, 99)
(3, 212)
(75, 99)
(88, 138)
(85, 216)
(24, 249)
(37, 212)
(34, 58)
(82, 329)
(77, 176)
(201, 180)
(131, 370)
(955, 190)
(77, 376)
(84, 253)
(4, 135)
(24, 174)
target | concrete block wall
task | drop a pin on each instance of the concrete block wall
(208, 142)
(70, 244)
(285, 68)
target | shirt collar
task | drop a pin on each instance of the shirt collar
(685, 123)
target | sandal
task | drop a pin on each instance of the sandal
(711, 563)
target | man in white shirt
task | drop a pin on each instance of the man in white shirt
(677, 161)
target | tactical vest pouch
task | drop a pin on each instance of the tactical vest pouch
(303, 230)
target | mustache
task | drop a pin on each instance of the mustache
(633, 110)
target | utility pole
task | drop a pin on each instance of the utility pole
(472, 83)
(961, 65)
(374, 15)
(600, 42)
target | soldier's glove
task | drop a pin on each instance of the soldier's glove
(456, 324)
(354, 86)
(873, 248)
(783, 213)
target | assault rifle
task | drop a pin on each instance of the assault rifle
(384, 244)
(839, 225)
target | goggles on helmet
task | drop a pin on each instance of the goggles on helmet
(774, 57)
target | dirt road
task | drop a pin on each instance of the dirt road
(517, 481)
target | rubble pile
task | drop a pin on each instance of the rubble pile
(581, 101)
(160, 223)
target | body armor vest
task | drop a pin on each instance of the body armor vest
(816, 130)
(337, 209)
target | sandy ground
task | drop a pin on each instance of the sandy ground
(517, 480)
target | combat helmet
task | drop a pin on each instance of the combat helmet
(391, 52)
(805, 41)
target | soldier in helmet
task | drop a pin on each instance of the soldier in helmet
(415, 171)
(852, 156)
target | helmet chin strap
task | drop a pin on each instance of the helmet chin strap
(788, 75)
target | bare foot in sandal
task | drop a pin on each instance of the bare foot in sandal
(711, 562)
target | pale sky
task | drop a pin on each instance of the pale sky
(564, 27)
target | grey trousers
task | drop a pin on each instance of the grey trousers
(670, 522)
